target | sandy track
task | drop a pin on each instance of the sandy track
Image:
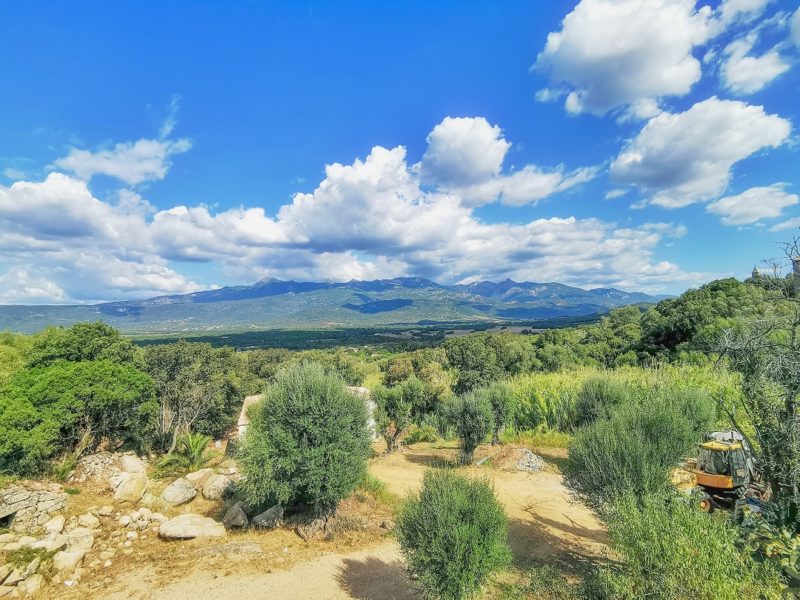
(545, 525)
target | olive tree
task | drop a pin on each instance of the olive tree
(473, 419)
(307, 442)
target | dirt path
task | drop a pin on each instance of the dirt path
(544, 526)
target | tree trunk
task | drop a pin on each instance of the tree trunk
(465, 456)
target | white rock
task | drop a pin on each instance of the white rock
(80, 538)
(89, 521)
(132, 535)
(132, 488)
(5, 571)
(31, 585)
(178, 492)
(51, 544)
(217, 487)
(158, 517)
(124, 520)
(55, 525)
(145, 513)
(198, 478)
(105, 511)
(26, 540)
(14, 578)
(66, 561)
(7, 538)
(132, 464)
(189, 526)
(107, 564)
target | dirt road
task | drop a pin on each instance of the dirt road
(544, 526)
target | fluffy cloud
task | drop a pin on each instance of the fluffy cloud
(379, 216)
(746, 74)
(462, 151)
(687, 157)
(130, 162)
(465, 157)
(613, 53)
(753, 205)
(794, 27)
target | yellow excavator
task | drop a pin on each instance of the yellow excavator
(726, 474)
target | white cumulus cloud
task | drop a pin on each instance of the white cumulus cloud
(753, 205)
(687, 157)
(743, 73)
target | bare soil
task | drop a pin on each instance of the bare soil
(361, 562)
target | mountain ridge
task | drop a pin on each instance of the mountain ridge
(275, 303)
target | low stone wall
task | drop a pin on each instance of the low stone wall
(27, 507)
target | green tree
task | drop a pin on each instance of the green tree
(48, 410)
(486, 357)
(597, 398)
(392, 414)
(307, 442)
(473, 419)
(504, 407)
(81, 342)
(453, 535)
(198, 388)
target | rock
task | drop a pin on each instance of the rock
(124, 520)
(142, 524)
(14, 577)
(105, 511)
(55, 525)
(132, 535)
(132, 488)
(107, 564)
(32, 567)
(179, 492)
(26, 540)
(387, 524)
(145, 513)
(269, 519)
(158, 517)
(5, 571)
(52, 544)
(89, 521)
(32, 585)
(198, 478)
(235, 517)
(132, 464)
(5, 590)
(217, 487)
(7, 538)
(189, 526)
(105, 555)
(80, 538)
(67, 560)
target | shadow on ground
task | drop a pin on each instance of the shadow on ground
(372, 578)
(533, 543)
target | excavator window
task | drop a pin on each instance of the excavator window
(715, 462)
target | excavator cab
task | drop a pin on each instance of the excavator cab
(724, 470)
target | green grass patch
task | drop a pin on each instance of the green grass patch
(533, 440)
(22, 557)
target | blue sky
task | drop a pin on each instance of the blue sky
(150, 148)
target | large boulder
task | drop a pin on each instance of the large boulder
(198, 478)
(178, 492)
(79, 538)
(235, 517)
(89, 521)
(67, 560)
(131, 487)
(32, 585)
(218, 487)
(130, 463)
(269, 519)
(55, 525)
(190, 525)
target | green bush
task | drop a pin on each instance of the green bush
(49, 410)
(307, 442)
(426, 432)
(473, 420)
(504, 406)
(632, 451)
(453, 535)
(392, 414)
(670, 550)
(597, 398)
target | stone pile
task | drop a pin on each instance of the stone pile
(25, 508)
(213, 486)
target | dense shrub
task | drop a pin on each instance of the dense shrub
(392, 414)
(48, 410)
(632, 451)
(483, 358)
(191, 454)
(307, 442)
(473, 420)
(453, 535)
(597, 397)
(670, 550)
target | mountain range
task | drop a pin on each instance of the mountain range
(272, 304)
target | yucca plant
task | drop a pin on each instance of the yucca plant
(191, 453)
